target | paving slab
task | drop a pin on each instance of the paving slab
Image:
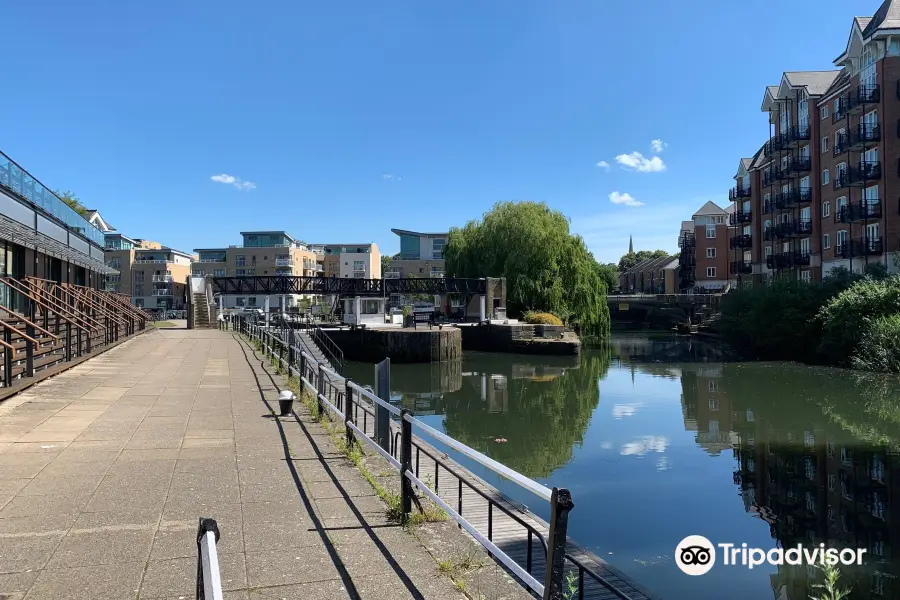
(106, 468)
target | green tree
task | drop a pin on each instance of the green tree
(546, 267)
(633, 258)
(72, 200)
(609, 274)
(385, 263)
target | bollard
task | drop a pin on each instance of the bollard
(554, 578)
(302, 369)
(286, 402)
(406, 491)
(348, 412)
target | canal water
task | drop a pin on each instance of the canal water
(660, 437)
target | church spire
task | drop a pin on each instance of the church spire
(630, 246)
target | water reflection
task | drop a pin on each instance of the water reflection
(658, 438)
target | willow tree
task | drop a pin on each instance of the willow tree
(546, 267)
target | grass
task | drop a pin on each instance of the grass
(455, 569)
(164, 324)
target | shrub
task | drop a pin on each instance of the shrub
(846, 316)
(542, 318)
(879, 345)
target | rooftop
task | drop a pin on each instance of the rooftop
(417, 233)
(165, 249)
(284, 233)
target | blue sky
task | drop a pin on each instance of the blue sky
(338, 121)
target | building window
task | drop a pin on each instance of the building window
(251, 301)
(240, 301)
(826, 177)
(240, 272)
(823, 112)
(829, 449)
(832, 479)
(240, 260)
(710, 272)
(825, 144)
(826, 209)
(710, 231)
(710, 253)
(837, 106)
(846, 455)
(826, 241)
(806, 276)
(842, 237)
(197, 273)
(713, 385)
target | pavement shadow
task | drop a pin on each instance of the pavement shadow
(319, 527)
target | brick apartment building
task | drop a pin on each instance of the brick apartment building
(651, 276)
(152, 274)
(821, 192)
(704, 259)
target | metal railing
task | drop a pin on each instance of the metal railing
(324, 343)
(547, 569)
(209, 579)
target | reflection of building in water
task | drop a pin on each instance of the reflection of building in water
(706, 408)
(666, 349)
(812, 490)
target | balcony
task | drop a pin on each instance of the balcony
(284, 262)
(843, 106)
(864, 172)
(392, 275)
(738, 193)
(739, 217)
(797, 135)
(741, 241)
(162, 278)
(841, 144)
(793, 197)
(864, 135)
(870, 208)
(776, 143)
(793, 229)
(859, 247)
(686, 240)
(147, 261)
(687, 261)
(773, 175)
(769, 234)
(798, 165)
(219, 259)
(162, 292)
(786, 260)
(742, 267)
(864, 95)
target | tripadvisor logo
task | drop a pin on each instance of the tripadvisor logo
(696, 555)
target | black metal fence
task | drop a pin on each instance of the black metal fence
(536, 555)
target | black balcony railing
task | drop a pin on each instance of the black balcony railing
(769, 234)
(840, 108)
(864, 135)
(739, 217)
(793, 228)
(793, 197)
(859, 247)
(784, 260)
(776, 143)
(864, 172)
(773, 175)
(741, 241)
(864, 94)
(841, 179)
(869, 208)
(741, 267)
(841, 144)
(738, 193)
(686, 241)
(797, 135)
(798, 165)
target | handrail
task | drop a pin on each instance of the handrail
(335, 394)
(331, 350)
(21, 334)
(28, 322)
(28, 292)
(9, 347)
(88, 298)
(79, 303)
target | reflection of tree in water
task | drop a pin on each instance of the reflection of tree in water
(542, 419)
(666, 349)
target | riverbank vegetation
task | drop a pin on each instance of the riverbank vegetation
(547, 268)
(845, 320)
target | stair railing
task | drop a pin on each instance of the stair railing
(331, 350)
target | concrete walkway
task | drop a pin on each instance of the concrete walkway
(106, 468)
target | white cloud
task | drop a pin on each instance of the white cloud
(648, 443)
(606, 446)
(657, 145)
(603, 165)
(638, 162)
(234, 181)
(625, 410)
(626, 199)
(391, 177)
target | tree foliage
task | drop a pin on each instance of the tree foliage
(73, 202)
(609, 274)
(631, 259)
(546, 268)
(385, 263)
